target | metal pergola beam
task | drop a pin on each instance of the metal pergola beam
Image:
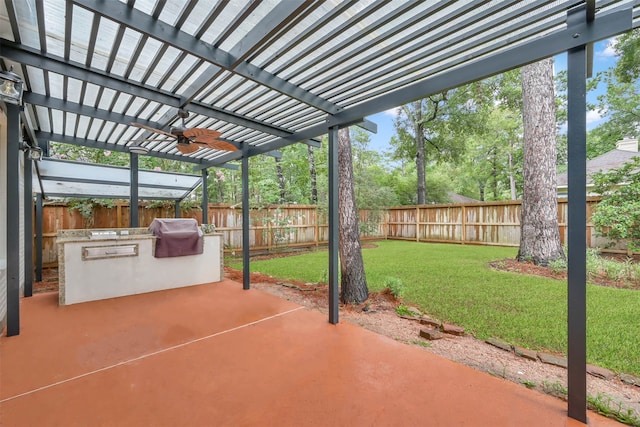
(121, 183)
(28, 224)
(84, 142)
(140, 21)
(607, 25)
(246, 258)
(55, 64)
(577, 218)
(84, 110)
(333, 226)
(133, 190)
(205, 196)
(13, 220)
(39, 228)
(47, 62)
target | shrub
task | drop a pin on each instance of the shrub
(395, 286)
(617, 216)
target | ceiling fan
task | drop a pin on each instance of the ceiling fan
(190, 140)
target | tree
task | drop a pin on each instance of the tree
(281, 184)
(618, 213)
(539, 233)
(312, 175)
(353, 281)
(618, 105)
(422, 135)
(371, 190)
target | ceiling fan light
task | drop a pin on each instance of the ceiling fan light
(138, 149)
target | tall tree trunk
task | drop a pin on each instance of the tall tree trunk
(494, 173)
(512, 179)
(420, 154)
(312, 173)
(539, 234)
(481, 189)
(281, 183)
(353, 282)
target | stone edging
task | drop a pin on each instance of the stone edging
(562, 362)
(435, 330)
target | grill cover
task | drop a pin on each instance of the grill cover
(177, 237)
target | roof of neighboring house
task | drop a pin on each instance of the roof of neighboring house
(606, 162)
(459, 198)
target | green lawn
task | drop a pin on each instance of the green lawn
(454, 284)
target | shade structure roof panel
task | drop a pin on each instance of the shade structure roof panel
(63, 178)
(267, 73)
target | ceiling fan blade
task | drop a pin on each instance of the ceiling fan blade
(150, 129)
(197, 133)
(216, 144)
(187, 148)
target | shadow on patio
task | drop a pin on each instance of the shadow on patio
(215, 355)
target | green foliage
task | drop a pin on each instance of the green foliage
(611, 408)
(555, 389)
(403, 310)
(395, 286)
(85, 207)
(617, 216)
(619, 103)
(208, 228)
(624, 272)
(558, 265)
(453, 283)
(628, 49)
(279, 225)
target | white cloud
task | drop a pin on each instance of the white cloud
(609, 51)
(593, 116)
(392, 112)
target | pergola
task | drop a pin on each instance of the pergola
(272, 73)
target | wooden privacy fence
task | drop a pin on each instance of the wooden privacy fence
(274, 227)
(271, 227)
(487, 223)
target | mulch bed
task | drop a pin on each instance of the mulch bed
(515, 266)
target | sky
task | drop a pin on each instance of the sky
(604, 57)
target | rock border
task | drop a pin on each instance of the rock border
(436, 329)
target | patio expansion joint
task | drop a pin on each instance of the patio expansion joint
(147, 355)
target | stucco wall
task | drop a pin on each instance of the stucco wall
(104, 277)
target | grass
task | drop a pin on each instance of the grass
(454, 284)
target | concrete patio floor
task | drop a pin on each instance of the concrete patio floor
(215, 355)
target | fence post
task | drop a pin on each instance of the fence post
(417, 223)
(316, 229)
(464, 224)
(269, 229)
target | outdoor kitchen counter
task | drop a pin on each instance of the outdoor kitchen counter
(100, 264)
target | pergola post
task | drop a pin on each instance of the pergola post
(13, 219)
(205, 196)
(177, 209)
(39, 237)
(28, 224)
(246, 272)
(133, 190)
(333, 225)
(577, 219)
